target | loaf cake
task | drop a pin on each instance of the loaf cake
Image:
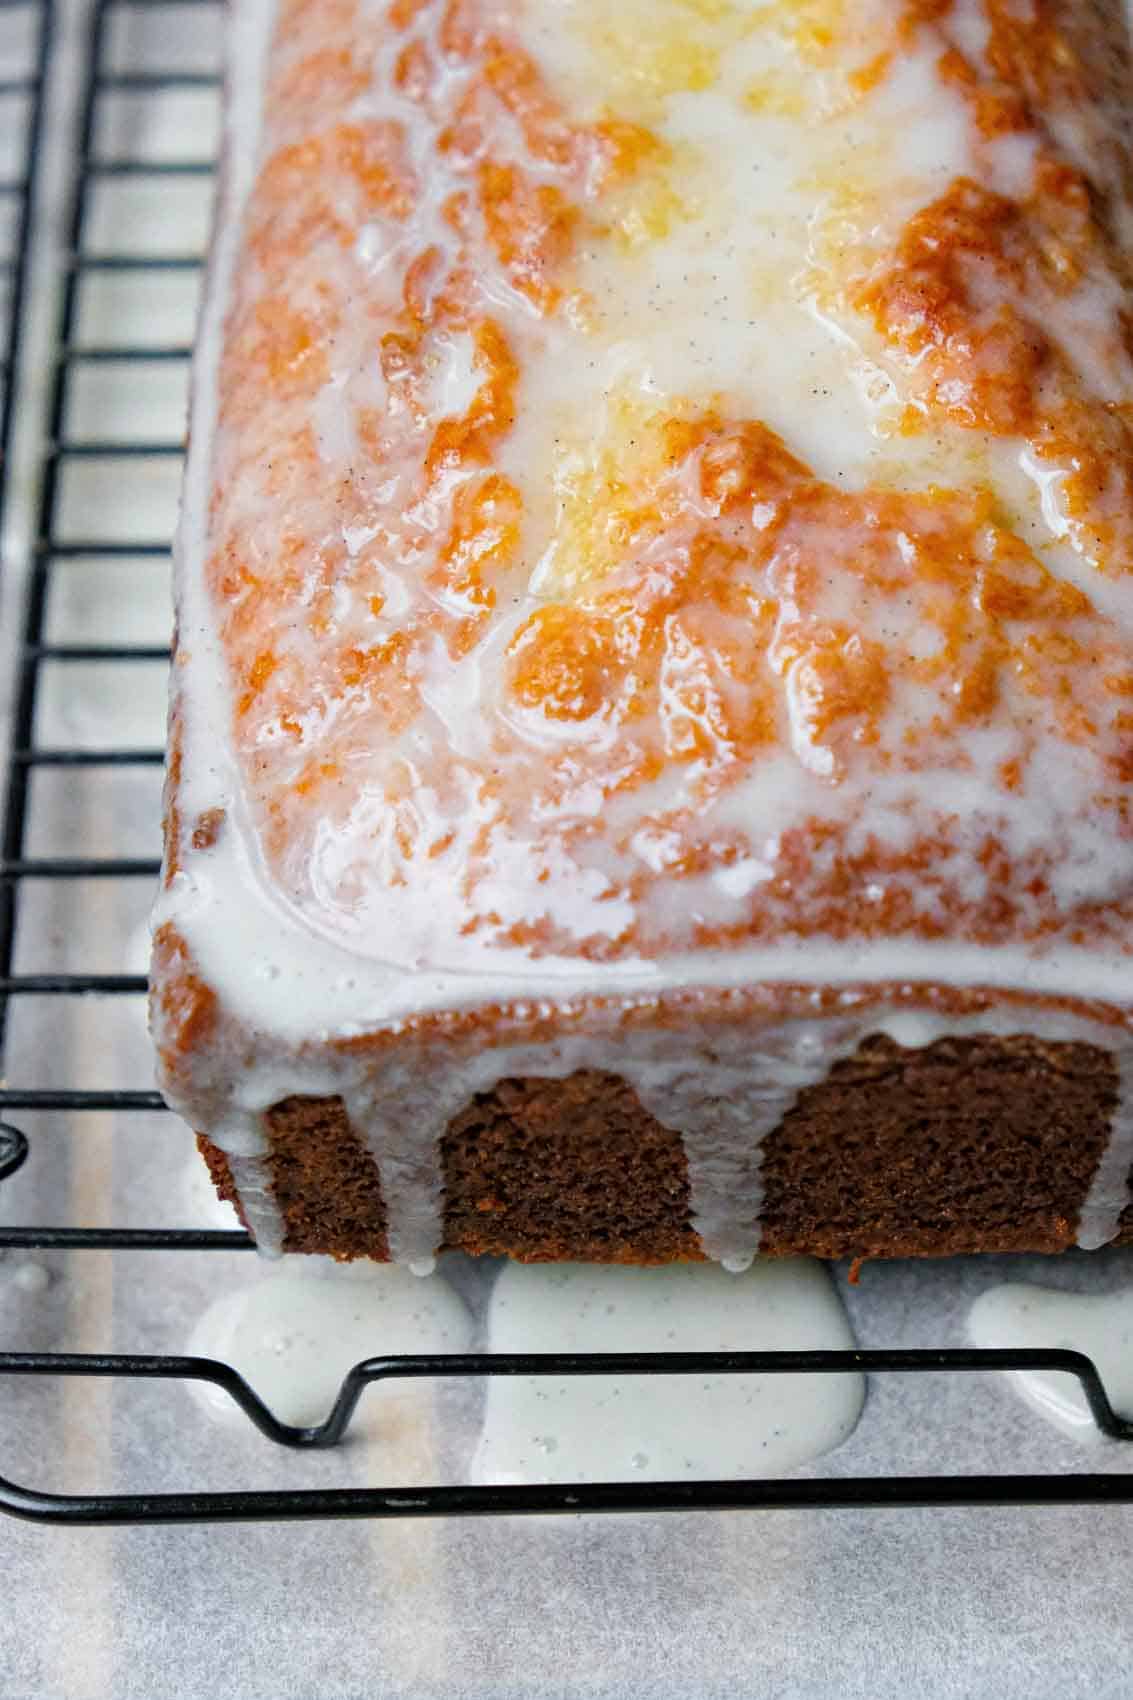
(652, 711)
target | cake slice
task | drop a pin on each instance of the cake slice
(652, 717)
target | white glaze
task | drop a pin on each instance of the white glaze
(1020, 1315)
(287, 981)
(295, 1331)
(538, 1429)
(1109, 1191)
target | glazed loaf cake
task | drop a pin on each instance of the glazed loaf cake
(652, 720)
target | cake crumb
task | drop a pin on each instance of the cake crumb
(207, 829)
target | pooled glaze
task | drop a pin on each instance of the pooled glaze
(604, 574)
(1019, 1314)
(604, 1428)
(294, 1332)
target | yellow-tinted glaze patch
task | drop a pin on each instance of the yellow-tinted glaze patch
(649, 52)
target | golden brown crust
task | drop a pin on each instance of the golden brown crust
(183, 1007)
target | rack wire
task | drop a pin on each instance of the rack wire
(21, 93)
(94, 166)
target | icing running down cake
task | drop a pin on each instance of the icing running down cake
(652, 723)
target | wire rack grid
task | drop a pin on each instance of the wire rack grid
(25, 43)
(95, 438)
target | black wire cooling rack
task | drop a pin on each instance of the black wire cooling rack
(92, 166)
(27, 25)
